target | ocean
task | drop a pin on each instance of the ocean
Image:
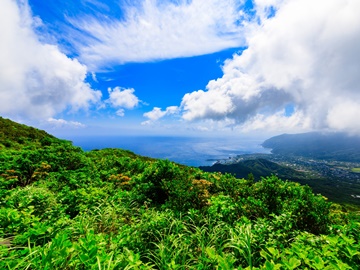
(184, 150)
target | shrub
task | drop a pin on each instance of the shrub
(311, 212)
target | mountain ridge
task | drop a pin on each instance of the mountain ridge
(327, 146)
(16, 136)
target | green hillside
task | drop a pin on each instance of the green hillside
(257, 167)
(328, 146)
(16, 136)
(63, 208)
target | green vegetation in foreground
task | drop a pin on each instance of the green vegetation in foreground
(62, 208)
(355, 170)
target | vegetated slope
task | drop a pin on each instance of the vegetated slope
(336, 190)
(15, 136)
(258, 167)
(329, 146)
(63, 208)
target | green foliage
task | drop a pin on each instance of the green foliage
(151, 185)
(62, 208)
(310, 212)
(254, 169)
(18, 136)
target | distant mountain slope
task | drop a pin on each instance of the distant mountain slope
(258, 167)
(16, 136)
(329, 146)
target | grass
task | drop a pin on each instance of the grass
(355, 170)
(62, 208)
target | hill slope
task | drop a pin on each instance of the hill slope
(14, 135)
(258, 167)
(329, 146)
(63, 208)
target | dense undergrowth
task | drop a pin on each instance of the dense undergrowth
(62, 208)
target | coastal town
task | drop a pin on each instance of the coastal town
(313, 168)
(338, 180)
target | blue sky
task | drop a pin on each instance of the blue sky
(181, 67)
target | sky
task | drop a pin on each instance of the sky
(181, 67)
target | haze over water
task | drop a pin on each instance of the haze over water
(184, 150)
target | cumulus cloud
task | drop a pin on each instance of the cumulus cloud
(157, 113)
(122, 98)
(36, 80)
(153, 30)
(307, 55)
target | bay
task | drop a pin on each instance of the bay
(191, 151)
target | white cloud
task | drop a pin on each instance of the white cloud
(277, 123)
(93, 76)
(120, 112)
(157, 113)
(122, 98)
(36, 80)
(61, 123)
(345, 116)
(153, 30)
(308, 55)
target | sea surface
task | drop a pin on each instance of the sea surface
(184, 150)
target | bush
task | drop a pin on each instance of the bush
(311, 212)
(39, 199)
